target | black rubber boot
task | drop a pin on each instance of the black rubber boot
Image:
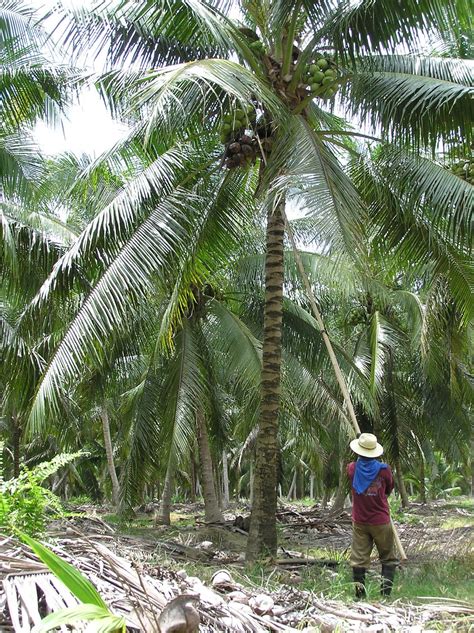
(388, 574)
(358, 574)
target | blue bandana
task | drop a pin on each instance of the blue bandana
(366, 471)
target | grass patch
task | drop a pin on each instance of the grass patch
(305, 502)
(464, 503)
(457, 522)
(444, 579)
(451, 579)
(129, 524)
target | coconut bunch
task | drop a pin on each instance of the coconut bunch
(321, 77)
(238, 135)
(241, 152)
(464, 169)
(235, 122)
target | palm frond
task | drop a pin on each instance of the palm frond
(313, 400)
(115, 223)
(32, 85)
(313, 173)
(354, 29)
(143, 432)
(149, 35)
(412, 100)
(108, 304)
(218, 230)
(229, 336)
(37, 90)
(143, 246)
(382, 339)
(420, 182)
(191, 391)
(27, 254)
(176, 93)
(18, 25)
(303, 339)
(408, 235)
(20, 165)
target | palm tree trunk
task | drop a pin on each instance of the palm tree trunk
(401, 484)
(251, 481)
(225, 481)
(300, 483)
(110, 458)
(218, 486)
(311, 487)
(16, 441)
(338, 504)
(422, 476)
(163, 515)
(193, 479)
(291, 491)
(211, 505)
(325, 499)
(472, 464)
(263, 535)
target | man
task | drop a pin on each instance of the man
(372, 482)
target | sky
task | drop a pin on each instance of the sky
(87, 126)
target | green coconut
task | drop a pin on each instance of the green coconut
(318, 76)
(330, 72)
(328, 81)
(258, 46)
(322, 63)
(313, 68)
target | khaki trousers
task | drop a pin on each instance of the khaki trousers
(363, 538)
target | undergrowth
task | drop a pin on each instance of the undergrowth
(25, 504)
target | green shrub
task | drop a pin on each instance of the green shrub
(25, 505)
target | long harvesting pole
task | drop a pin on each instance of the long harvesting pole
(337, 370)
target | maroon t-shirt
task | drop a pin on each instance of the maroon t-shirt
(371, 506)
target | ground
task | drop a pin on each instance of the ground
(438, 537)
(308, 587)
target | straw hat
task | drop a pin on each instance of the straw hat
(367, 446)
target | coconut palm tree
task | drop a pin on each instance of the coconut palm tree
(199, 83)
